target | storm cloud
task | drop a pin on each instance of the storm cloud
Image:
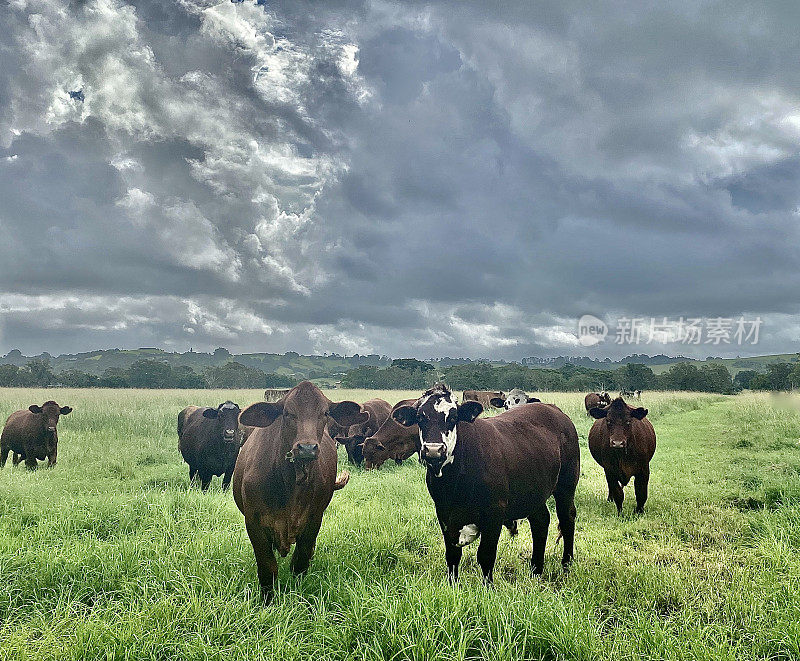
(405, 178)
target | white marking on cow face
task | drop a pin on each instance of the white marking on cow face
(439, 417)
(468, 534)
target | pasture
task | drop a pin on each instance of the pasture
(110, 556)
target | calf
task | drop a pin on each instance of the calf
(514, 398)
(353, 438)
(31, 434)
(391, 441)
(209, 441)
(286, 475)
(623, 442)
(486, 473)
(483, 397)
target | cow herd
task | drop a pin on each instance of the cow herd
(483, 474)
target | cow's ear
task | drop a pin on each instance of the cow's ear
(260, 414)
(638, 413)
(33, 408)
(468, 411)
(598, 412)
(210, 413)
(405, 415)
(66, 410)
(348, 413)
(497, 402)
(533, 400)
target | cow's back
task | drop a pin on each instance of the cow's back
(528, 448)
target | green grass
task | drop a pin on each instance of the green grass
(110, 556)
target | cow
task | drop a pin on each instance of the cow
(637, 394)
(514, 398)
(285, 475)
(353, 439)
(626, 393)
(391, 441)
(596, 399)
(623, 442)
(486, 473)
(274, 394)
(484, 397)
(209, 440)
(31, 435)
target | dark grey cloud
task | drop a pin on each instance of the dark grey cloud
(410, 178)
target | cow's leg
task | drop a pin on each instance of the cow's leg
(205, 480)
(4, 450)
(226, 479)
(487, 551)
(640, 483)
(398, 462)
(51, 458)
(192, 474)
(31, 464)
(304, 548)
(452, 555)
(566, 513)
(540, 523)
(615, 492)
(266, 565)
(17, 459)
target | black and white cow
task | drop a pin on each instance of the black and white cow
(514, 398)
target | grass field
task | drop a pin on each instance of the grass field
(110, 556)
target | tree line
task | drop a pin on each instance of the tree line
(411, 374)
(144, 373)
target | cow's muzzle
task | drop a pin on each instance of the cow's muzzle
(229, 435)
(617, 444)
(303, 452)
(433, 455)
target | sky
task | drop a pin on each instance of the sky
(406, 178)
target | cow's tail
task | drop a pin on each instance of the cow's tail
(341, 480)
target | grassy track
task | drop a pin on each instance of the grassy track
(109, 556)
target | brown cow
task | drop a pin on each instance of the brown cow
(353, 438)
(391, 441)
(209, 441)
(623, 442)
(31, 434)
(286, 475)
(483, 397)
(487, 473)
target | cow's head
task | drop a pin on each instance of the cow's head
(605, 398)
(390, 441)
(353, 440)
(618, 419)
(514, 398)
(227, 414)
(50, 412)
(437, 413)
(303, 413)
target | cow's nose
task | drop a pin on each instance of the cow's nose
(433, 451)
(306, 451)
(230, 433)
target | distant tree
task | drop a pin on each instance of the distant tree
(114, 377)
(778, 376)
(411, 364)
(235, 375)
(8, 375)
(37, 373)
(78, 379)
(222, 352)
(715, 377)
(149, 374)
(744, 379)
(184, 376)
(273, 380)
(635, 376)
